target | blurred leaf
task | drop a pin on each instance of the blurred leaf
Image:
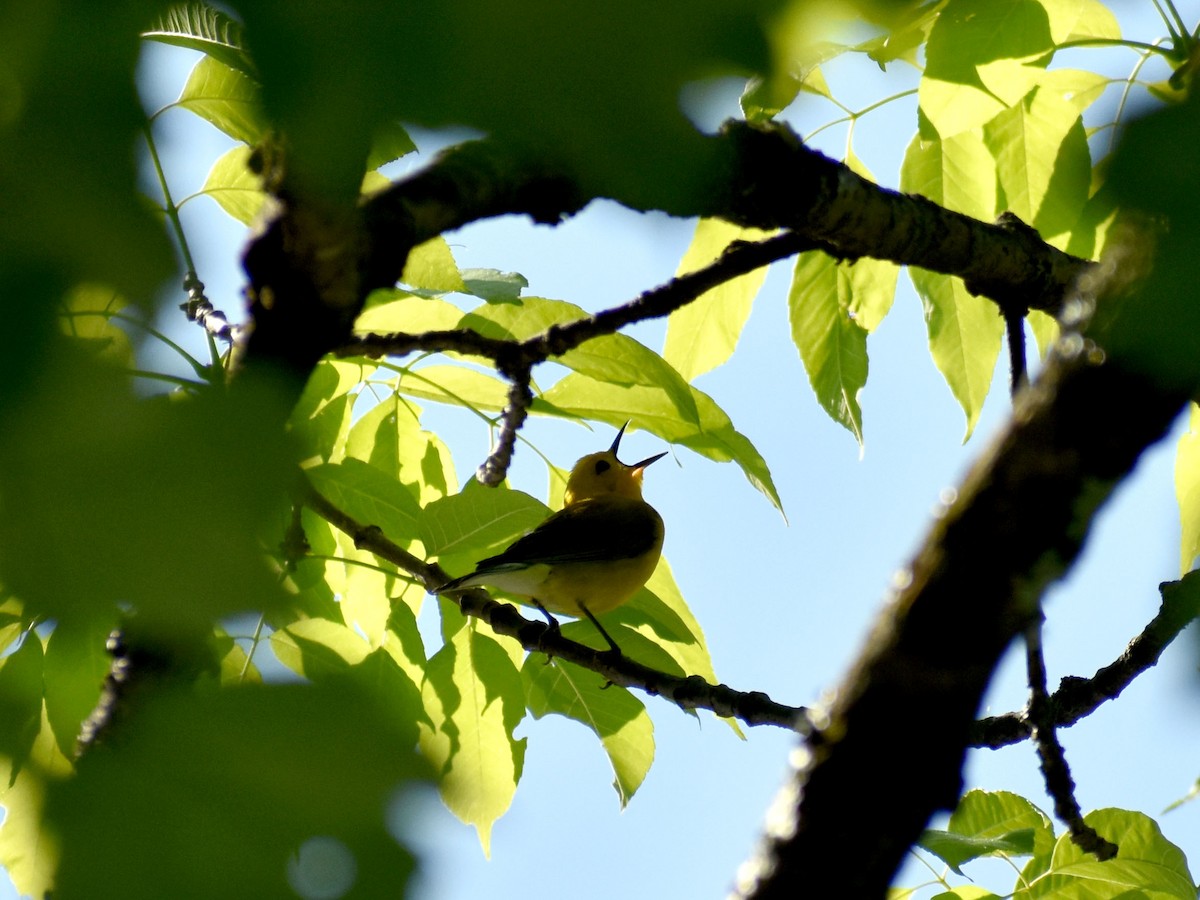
(236, 189)
(1074, 20)
(1187, 490)
(318, 648)
(1042, 161)
(390, 144)
(616, 716)
(599, 86)
(473, 694)
(226, 98)
(29, 848)
(244, 776)
(369, 496)
(75, 667)
(73, 211)
(832, 345)
(87, 315)
(21, 701)
(703, 334)
(198, 26)
(152, 503)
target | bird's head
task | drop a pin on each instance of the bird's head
(600, 474)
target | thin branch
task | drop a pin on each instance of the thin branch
(1077, 698)
(1056, 772)
(692, 692)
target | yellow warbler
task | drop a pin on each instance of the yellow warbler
(590, 556)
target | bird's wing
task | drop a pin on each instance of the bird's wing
(588, 531)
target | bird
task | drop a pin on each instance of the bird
(589, 557)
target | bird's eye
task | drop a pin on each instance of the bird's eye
(602, 466)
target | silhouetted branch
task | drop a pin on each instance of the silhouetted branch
(1077, 697)
(692, 692)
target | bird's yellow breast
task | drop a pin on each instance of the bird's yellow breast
(600, 586)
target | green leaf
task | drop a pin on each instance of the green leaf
(431, 266)
(617, 717)
(225, 98)
(703, 334)
(21, 701)
(1074, 20)
(1187, 490)
(318, 648)
(493, 285)
(1147, 863)
(391, 142)
(956, 849)
(958, 173)
(392, 309)
(87, 315)
(236, 189)
(965, 335)
(478, 522)
(76, 664)
(329, 80)
(652, 409)
(474, 696)
(616, 358)
(389, 437)
(455, 385)
(992, 822)
(1042, 161)
(247, 776)
(198, 26)
(369, 496)
(832, 345)
(967, 34)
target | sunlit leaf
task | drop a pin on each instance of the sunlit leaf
(832, 345)
(478, 522)
(1187, 490)
(703, 334)
(236, 189)
(392, 310)
(474, 695)
(75, 665)
(431, 266)
(1042, 161)
(225, 97)
(199, 26)
(369, 496)
(616, 716)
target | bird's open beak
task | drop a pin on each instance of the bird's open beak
(637, 467)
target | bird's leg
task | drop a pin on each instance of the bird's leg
(553, 623)
(616, 651)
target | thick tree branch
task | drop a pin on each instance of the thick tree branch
(692, 692)
(1019, 521)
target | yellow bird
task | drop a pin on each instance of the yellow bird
(589, 557)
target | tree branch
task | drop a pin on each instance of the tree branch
(692, 692)
(1018, 523)
(1077, 698)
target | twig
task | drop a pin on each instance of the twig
(1077, 698)
(1056, 772)
(692, 692)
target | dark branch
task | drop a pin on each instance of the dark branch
(1076, 697)
(692, 692)
(1056, 772)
